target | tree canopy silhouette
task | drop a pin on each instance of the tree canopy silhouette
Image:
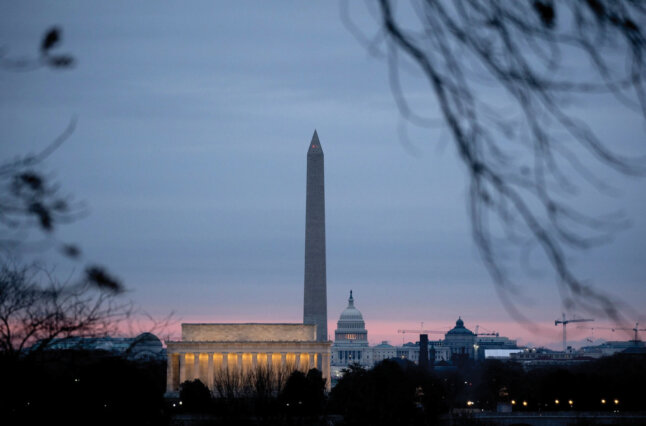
(33, 315)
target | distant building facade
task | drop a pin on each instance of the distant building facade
(610, 348)
(145, 346)
(531, 358)
(461, 341)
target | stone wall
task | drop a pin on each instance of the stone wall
(251, 332)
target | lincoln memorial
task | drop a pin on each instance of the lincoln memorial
(206, 349)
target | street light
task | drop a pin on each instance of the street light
(616, 402)
(556, 401)
(603, 401)
(524, 403)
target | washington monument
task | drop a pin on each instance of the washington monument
(315, 295)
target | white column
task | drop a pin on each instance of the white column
(225, 361)
(254, 360)
(196, 366)
(325, 370)
(311, 361)
(169, 372)
(269, 361)
(297, 362)
(182, 368)
(283, 359)
(239, 354)
(210, 372)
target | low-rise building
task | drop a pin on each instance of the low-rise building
(142, 347)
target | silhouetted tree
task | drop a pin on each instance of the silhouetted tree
(33, 312)
(304, 394)
(195, 395)
(391, 393)
(529, 158)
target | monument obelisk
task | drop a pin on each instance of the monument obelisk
(315, 295)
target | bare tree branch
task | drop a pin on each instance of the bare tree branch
(34, 313)
(525, 167)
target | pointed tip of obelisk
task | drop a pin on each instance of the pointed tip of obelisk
(315, 145)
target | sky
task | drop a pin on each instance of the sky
(193, 123)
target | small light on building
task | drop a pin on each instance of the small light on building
(524, 403)
(469, 403)
(616, 402)
(556, 401)
(513, 402)
(603, 401)
(570, 402)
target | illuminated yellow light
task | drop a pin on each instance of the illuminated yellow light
(556, 401)
(513, 402)
(616, 401)
(290, 359)
(524, 403)
(469, 403)
(570, 402)
(603, 401)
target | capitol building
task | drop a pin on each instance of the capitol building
(351, 339)
(351, 344)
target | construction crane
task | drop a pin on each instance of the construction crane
(489, 333)
(565, 322)
(591, 338)
(420, 331)
(636, 329)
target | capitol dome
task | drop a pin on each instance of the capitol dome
(350, 326)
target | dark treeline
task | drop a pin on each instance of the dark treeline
(587, 385)
(400, 393)
(300, 399)
(80, 387)
(76, 387)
